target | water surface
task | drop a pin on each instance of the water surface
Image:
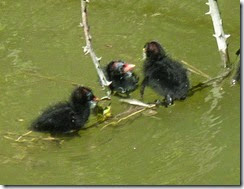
(196, 141)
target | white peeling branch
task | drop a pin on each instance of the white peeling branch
(88, 48)
(137, 103)
(220, 36)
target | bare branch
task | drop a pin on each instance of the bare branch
(220, 36)
(88, 48)
(137, 103)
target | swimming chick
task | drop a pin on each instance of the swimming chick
(67, 117)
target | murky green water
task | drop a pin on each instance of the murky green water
(193, 142)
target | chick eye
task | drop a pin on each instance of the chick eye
(89, 96)
(121, 68)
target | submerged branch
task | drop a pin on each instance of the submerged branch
(21, 138)
(210, 82)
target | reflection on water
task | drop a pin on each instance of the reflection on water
(216, 93)
(206, 149)
(209, 119)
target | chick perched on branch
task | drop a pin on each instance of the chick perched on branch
(124, 80)
(163, 74)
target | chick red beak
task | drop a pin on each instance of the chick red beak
(129, 67)
(96, 99)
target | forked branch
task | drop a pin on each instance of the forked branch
(88, 48)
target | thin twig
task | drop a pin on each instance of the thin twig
(195, 70)
(124, 118)
(31, 139)
(88, 48)
(150, 106)
(29, 132)
(137, 103)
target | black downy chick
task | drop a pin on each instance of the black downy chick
(163, 74)
(124, 81)
(237, 74)
(67, 117)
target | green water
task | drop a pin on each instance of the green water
(196, 141)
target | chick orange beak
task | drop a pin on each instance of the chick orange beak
(129, 67)
(96, 99)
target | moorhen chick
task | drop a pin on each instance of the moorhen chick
(163, 74)
(237, 74)
(67, 117)
(124, 81)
